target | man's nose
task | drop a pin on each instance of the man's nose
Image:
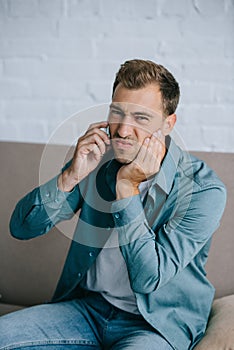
(125, 128)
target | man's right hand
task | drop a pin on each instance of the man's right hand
(89, 151)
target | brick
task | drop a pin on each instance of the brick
(14, 88)
(125, 49)
(23, 68)
(51, 8)
(118, 9)
(23, 8)
(173, 8)
(209, 72)
(99, 91)
(9, 131)
(56, 89)
(218, 138)
(4, 6)
(191, 138)
(205, 50)
(27, 28)
(36, 131)
(199, 93)
(224, 93)
(142, 11)
(207, 115)
(33, 109)
(46, 48)
(198, 27)
(83, 8)
(213, 8)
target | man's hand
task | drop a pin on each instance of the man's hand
(146, 164)
(89, 150)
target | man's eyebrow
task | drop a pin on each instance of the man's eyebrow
(112, 105)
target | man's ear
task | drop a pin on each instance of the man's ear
(168, 124)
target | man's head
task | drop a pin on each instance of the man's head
(144, 99)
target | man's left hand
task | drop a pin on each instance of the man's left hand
(146, 164)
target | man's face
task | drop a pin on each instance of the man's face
(134, 115)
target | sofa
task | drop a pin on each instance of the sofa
(29, 270)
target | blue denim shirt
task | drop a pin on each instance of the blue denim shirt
(164, 240)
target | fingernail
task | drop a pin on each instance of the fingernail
(147, 140)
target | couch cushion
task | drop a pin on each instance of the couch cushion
(220, 331)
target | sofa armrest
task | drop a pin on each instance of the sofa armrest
(219, 334)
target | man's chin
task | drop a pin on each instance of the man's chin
(124, 158)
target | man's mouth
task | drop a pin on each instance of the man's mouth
(122, 144)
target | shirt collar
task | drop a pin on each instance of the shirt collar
(165, 177)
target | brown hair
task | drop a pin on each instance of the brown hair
(136, 74)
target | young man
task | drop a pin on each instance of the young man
(134, 277)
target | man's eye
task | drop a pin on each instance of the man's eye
(116, 112)
(142, 118)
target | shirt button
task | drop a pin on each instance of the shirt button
(117, 215)
(90, 254)
(56, 200)
(47, 194)
(108, 228)
(79, 274)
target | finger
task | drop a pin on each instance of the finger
(102, 124)
(91, 140)
(99, 132)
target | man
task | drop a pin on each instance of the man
(134, 276)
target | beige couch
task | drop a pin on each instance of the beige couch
(29, 270)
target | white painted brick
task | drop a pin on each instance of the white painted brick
(83, 8)
(208, 115)
(99, 91)
(35, 131)
(46, 48)
(209, 72)
(23, 8)
(14, 88)
(9, 131)
(218, 138)
(118, 9)
(196, 93)
(142, 11)
(208, 9)
(58, 57)
(224, 93)
(3, 8)
(51, 8)
(31, 110)
(191, 138)
(23, 68)
(27, 28)
(122, 49)
(229, 49)
(57, 89)
(209, 49)
(80, 28)
(174, 8)
(150, 30)
(1, 68)
(195, 27)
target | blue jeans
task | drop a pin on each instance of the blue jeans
(90, 323)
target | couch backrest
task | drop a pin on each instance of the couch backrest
(29, 270)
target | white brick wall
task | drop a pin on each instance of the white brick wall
(60, 56)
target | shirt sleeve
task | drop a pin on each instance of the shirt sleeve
(42, 208)
(154, 257)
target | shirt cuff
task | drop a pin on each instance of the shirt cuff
(51, 194)
(127, 210)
